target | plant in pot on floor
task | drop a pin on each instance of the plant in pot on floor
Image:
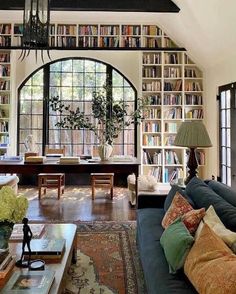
(108, 118)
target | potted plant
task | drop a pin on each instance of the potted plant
(13, 209)
(109, 118)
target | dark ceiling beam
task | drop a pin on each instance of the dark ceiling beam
(100, 5)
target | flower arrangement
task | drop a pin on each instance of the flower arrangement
(13, 208)
(111, 117)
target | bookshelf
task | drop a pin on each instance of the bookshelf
(173, 86)
(5, 94)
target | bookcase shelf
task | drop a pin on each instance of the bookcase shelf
(5, 94)
(173, 85)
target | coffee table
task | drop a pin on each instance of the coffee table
(65, 231)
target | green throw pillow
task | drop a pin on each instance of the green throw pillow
(176, 242)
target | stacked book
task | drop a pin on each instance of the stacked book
(67, 159)
(35, 159)
(50, 250)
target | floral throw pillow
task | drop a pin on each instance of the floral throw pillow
(192, 218)
(179, 206)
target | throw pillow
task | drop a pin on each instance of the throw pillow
(211, 265)
(178, 207)
(192, 218)
(171, 195)
(176, 242)
(214, 222)
(204, 196)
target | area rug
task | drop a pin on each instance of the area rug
(107, 260)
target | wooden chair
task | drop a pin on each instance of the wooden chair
(52, 180)
(102, 180)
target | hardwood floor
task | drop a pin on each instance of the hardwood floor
(77, 204)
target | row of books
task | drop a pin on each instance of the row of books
(190, 73)
(171, 127)
(5, 29)
(173, 86)
(153, 99)
(5, 41)
(88, 30)
(4, 57)
(4, 99)
(130, 42)
(153, 113)
(151, 127)
(64, 41)
(152, 42)
(5, 85)
(151, 72)
(152, 86)
(4, 126)
(4, 70)
(169, 140)
(193, 99)
(151, 30)
(172, 175)
(155, 158)
(151, 140)
(192, 86)
(88, 41)
(194, 113)
(171, 157)
(172, 72)
(152, 58)
(156, 172)
(172, 99)
(173, 113)
(131, 30)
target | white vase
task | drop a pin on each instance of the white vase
(105, 151)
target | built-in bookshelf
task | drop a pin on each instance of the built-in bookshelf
(173, 87)
(5, 94)
(93, 35)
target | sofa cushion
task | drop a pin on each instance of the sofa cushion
(214, 222)
(178, 207)
(204, 196)
(211, 265)
(192, 218)
(224, 191)
(176, 242)
(171, 194)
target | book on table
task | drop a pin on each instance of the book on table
(17, 233)
(29, 282)
(46, 248)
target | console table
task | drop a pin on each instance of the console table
(117, 167)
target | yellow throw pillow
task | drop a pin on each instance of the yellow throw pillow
(214, 222)
(211, 265)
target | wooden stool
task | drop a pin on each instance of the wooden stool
(46, 180)
(102, 180)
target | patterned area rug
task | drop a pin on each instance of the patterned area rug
(107, 260)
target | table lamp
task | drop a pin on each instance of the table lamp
(192, 134)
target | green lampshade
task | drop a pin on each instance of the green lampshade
(192, 134)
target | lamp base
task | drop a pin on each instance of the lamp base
(192, 165)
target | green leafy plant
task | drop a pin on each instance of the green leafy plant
(13, 208)
(110, 118)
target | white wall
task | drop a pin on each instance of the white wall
(221, 74)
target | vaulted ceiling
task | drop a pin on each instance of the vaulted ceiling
(207, 29)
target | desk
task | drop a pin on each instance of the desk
(65, 231)
(116, 167)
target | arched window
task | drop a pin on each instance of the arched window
(74, 81)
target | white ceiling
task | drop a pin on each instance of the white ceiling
(206, 28)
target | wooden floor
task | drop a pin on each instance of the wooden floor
(77, 204)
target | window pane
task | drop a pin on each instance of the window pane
(222, 100)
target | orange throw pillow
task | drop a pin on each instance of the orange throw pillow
(211, 265)
(192, 219)
(178, 207)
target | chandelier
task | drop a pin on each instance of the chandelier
(36, 22)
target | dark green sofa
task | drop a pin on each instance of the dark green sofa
(149, 230)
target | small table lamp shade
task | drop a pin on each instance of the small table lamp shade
(192, 134)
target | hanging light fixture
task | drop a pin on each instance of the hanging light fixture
(36, 22)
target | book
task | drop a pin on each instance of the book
(29, 282)
(17, 233)
(47, 247)
(33, 159)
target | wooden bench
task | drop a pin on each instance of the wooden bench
(102, 180)
(46, 180)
